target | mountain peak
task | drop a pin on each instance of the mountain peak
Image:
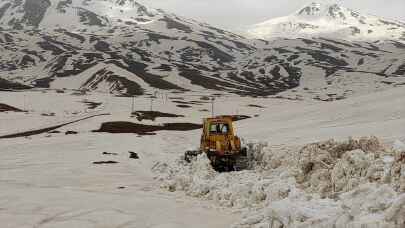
(330, 10)
(129, 4)
(132, 4)
(329, 20)
(310, 9)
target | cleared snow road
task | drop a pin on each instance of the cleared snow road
(51, 182)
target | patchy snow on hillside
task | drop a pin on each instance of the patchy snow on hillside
(144, 49)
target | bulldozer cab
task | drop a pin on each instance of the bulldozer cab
(222, 146)
(219, 136)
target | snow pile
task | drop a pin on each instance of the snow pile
(399, 146)
(357, 183)
(199, 179)
(369, 205)
(330, 168)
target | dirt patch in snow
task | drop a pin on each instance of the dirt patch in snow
(189, 102)
(133, 155)
(240, 117)
(255, 106)
(47, 129)
(91, 104)
(184, 106)
(10, 85)
(152, 115)
(108, 153)
(143, 129)
(176, 98)
(8, 108)
(104, 162)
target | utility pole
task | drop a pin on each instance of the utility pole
(212, 106)
(133, 105)
(151, 104)
(24, 108)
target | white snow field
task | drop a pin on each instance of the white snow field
(49, 180)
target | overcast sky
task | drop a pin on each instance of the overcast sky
(236, 14)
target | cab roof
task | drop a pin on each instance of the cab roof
(219, 119)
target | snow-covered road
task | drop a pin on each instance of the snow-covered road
(51, 182)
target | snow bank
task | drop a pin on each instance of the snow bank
(399, 146)
(356, 183)
(330, 168)
(199, 179)
(369, 205)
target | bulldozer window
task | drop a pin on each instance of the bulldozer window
(219, 128)
(224, 129)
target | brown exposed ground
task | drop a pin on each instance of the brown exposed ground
(176, 98)
(255, 106)
(152, 115)
(91, 104)
(184, 106)
(9, 85)
(8, 108)
(44, 130)
(104, 162)
(189, 102)
(142, 129)
(240, 117)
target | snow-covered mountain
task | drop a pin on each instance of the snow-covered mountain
(45, 14)
(125, 48)
(329, 20)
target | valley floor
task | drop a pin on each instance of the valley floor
(50, 180)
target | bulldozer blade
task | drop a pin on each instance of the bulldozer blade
(241, 162)
(190, 155)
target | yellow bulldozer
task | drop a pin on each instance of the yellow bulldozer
(221, 145)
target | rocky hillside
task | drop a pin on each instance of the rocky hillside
(125, 48)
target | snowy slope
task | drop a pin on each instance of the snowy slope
(329, 20)
(143, 50)
(138, 64)
(72, 14)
